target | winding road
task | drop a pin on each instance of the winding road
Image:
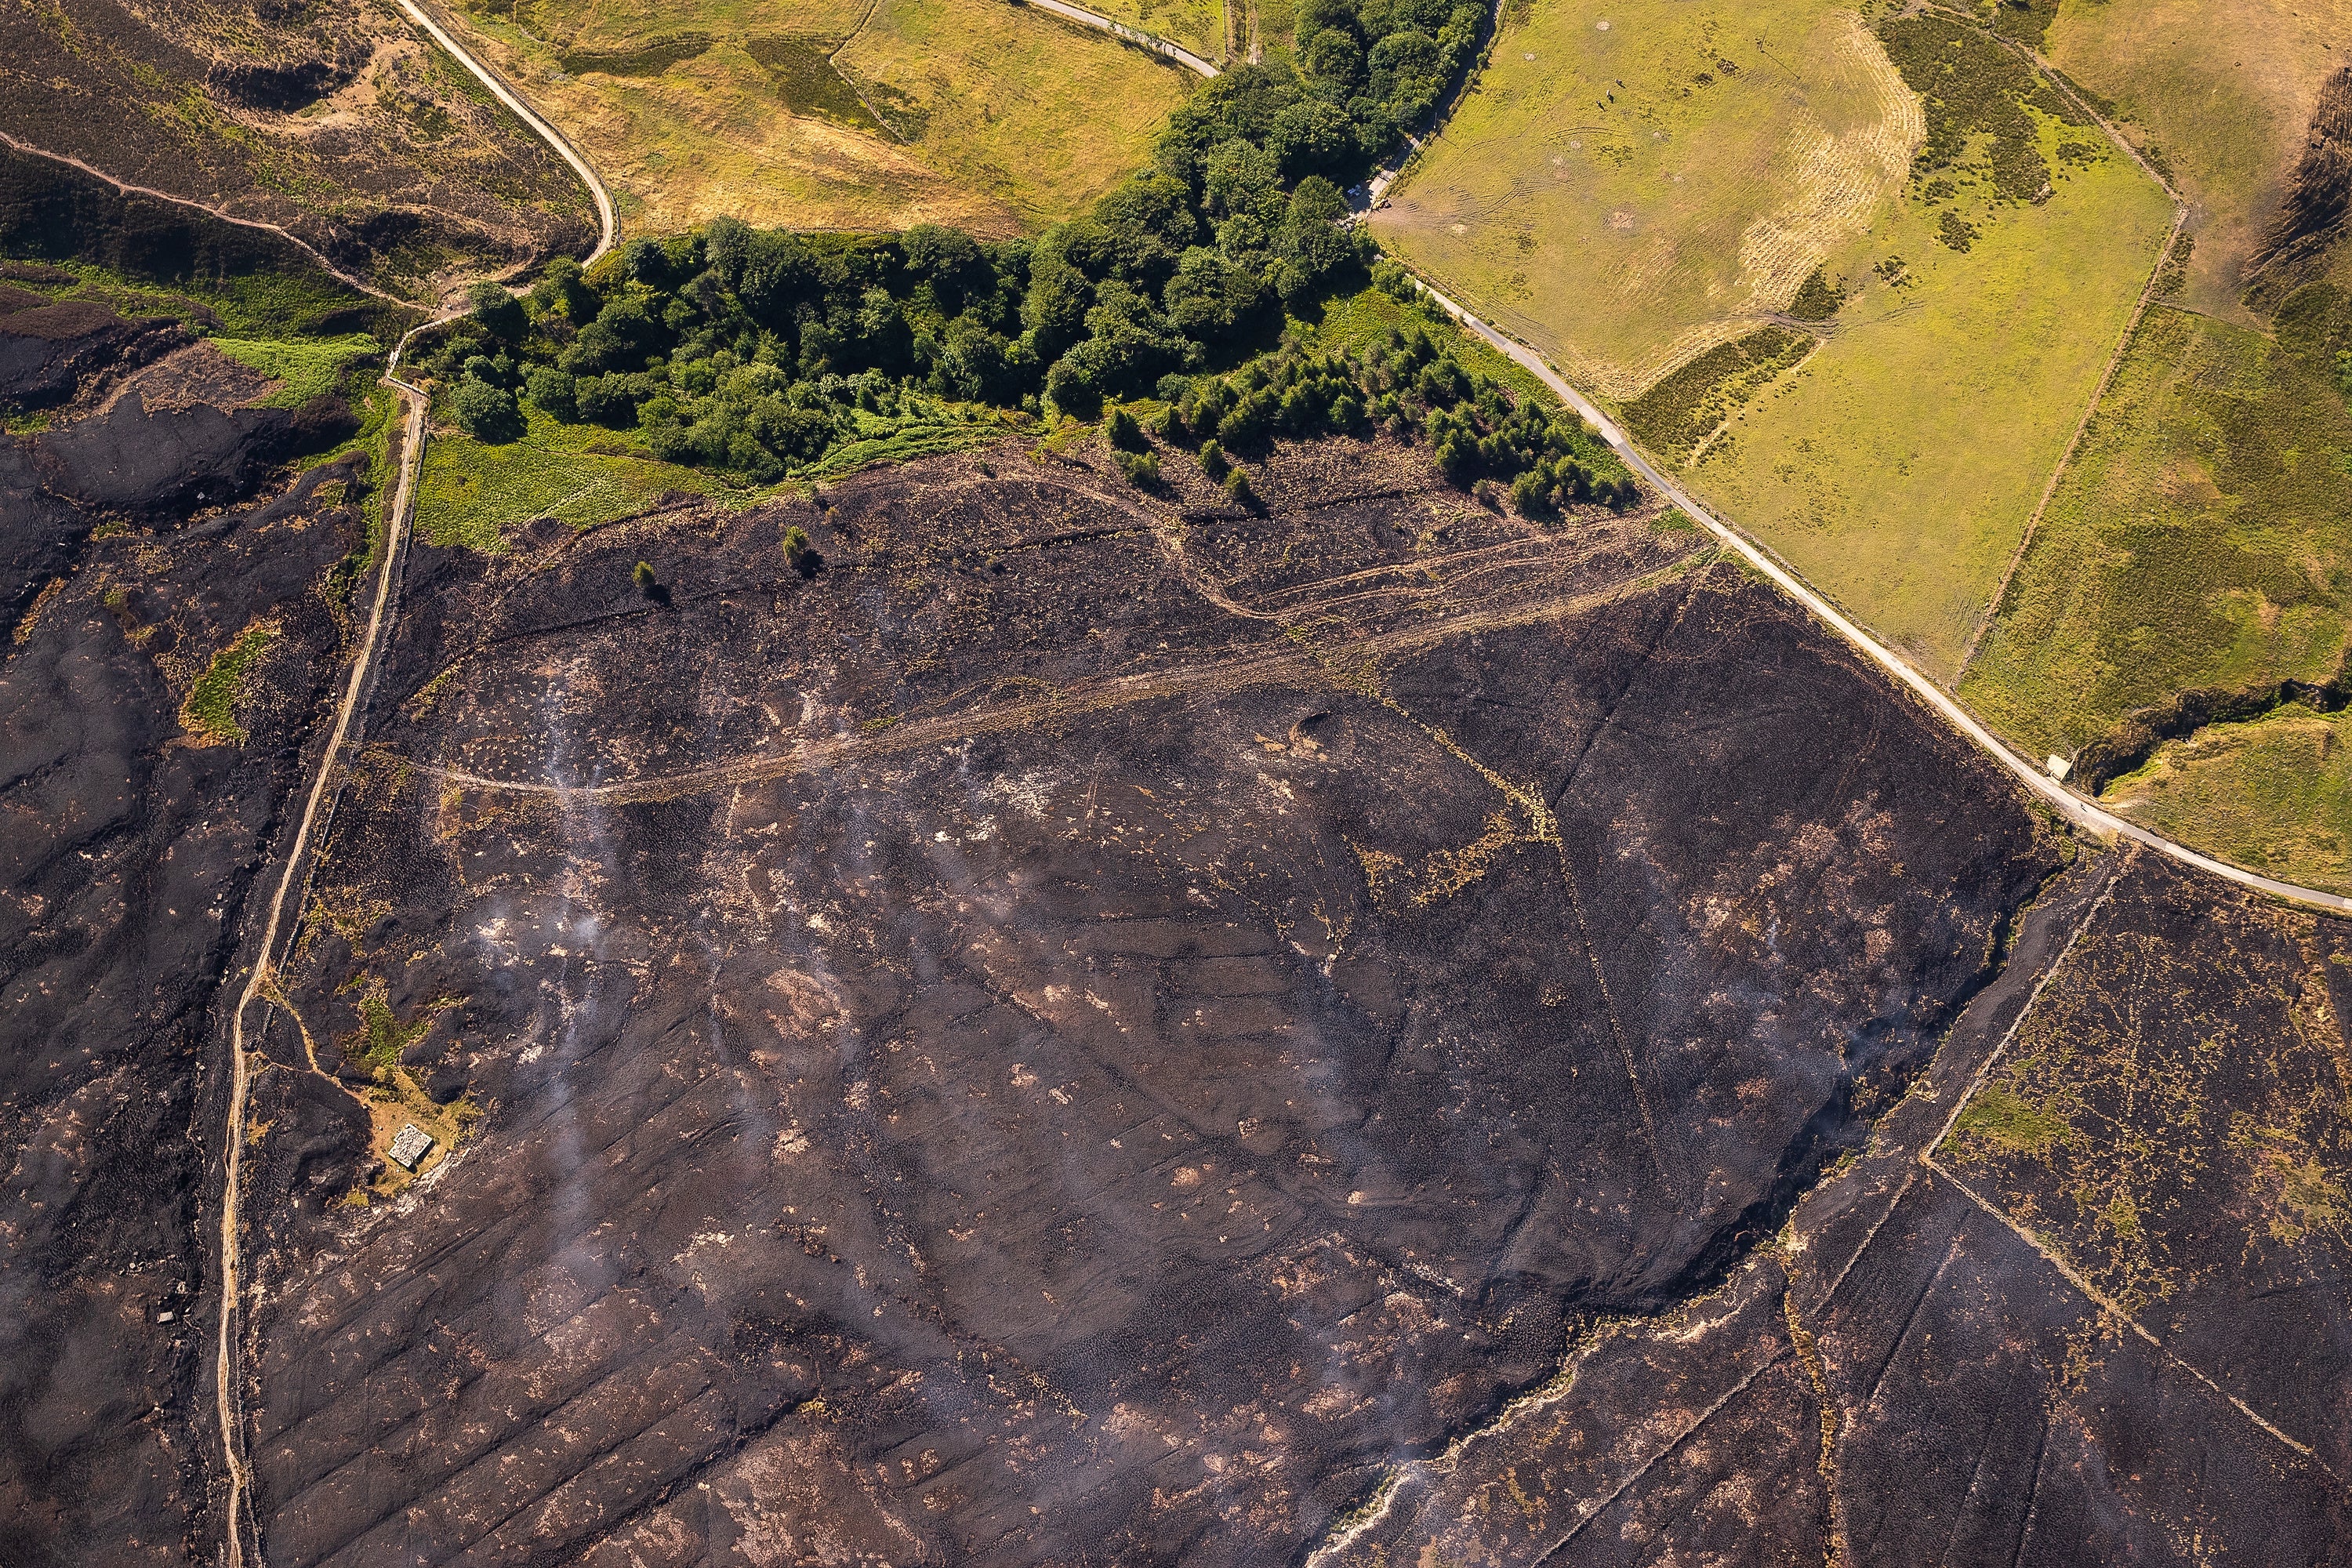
(2074, 806)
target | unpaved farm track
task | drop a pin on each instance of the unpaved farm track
(258, 984)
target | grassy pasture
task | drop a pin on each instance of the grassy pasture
(1198, 24)
(472, 493)
(837, 114)
(1627, 186)
(2200, 539)
(1898, 467)
(2223, 90)
(2273, 794)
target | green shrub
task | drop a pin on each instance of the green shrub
(1212, 459)
(1141, 468)
(554, 391)
(1121, 430)
(799, 553)
(484, 412)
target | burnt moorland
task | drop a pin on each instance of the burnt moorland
(1071, 1025)
(155, 522)
(338, 124)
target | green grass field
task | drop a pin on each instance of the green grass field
(1625, 217)
(837, 114)
(1898, 467)
(304, 368)
(1198, 24)
(2273, 795)
(473, 494)
(1625, 186)
(2200, 539)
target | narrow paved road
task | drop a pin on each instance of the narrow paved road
(397, 519)
(1152, 41)
(2074, 807)
(607, 225)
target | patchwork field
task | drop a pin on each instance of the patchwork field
(1625, 186)
(1897, 468)
(1898, 465)
(2198, 552)
(835, 114)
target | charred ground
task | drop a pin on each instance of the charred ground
(1950, 1354)
(337, 124)
(1090, 1025)
(154, 522)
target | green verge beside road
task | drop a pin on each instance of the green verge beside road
(2273, 794)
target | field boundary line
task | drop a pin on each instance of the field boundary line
(2114, 1309)
(2058, 83)
(2074, 807)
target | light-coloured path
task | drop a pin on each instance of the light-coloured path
(608, 225)
(193, 206)
(1152, 41)
(397, 518)
(225, 1380)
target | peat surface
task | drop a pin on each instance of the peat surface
(1088, 1028)
(150, 526)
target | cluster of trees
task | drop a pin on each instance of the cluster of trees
(1407, 387)
(753, 350)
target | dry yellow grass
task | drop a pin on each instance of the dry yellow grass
(1631, 185)
(837, 114)
(2223, 89)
